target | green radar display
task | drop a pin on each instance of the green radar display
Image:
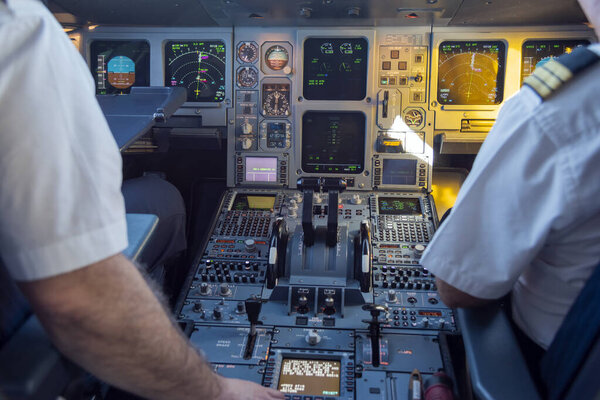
(471, 73)
(199, 67)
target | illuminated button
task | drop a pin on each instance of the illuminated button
(384, 80)
(402, 65)
(394, 54)
(386, 65)
(419, 58)
(392, 81)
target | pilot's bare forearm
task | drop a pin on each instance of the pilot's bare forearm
(105, 318)
(454, 297)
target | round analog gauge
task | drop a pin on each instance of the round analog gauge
(413, 118)
(327, 48)
(276, 57)
(346, 48)
(247, 77)
(248, 52)
(276, 99)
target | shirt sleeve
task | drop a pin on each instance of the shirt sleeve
(61, 206)
(514, 195)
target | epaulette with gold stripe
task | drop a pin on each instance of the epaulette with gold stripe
(547, 78)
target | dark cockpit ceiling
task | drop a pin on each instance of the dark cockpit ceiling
(318, 12)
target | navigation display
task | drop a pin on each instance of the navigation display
(117, 65)
(333, 142)
(198, 66)
(399, 172)
(335, 68)
(309, 377)
(471, 73)
(244, 202)
(538, 52)
(399, 206)
(261, 169)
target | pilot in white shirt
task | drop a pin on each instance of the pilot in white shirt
(527, 218)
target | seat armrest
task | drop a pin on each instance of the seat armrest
(30, 366)
(496, 364)
(140, 228)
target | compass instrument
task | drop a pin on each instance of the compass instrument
(198, 66)
(248, 52)
(471, 73)
(276, 99)
(247, 77)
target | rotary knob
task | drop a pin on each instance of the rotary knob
(247, 128)
(318, 199)
(293, 204)
(204, 289)
(298, 197)
(247, 143)
(224, 290)
(391, 296)
(312, 337)
(197, 307)
(218, 313)
(355, 199)
(419, 249)
(240, 308)
(250, 245)
(302, 301)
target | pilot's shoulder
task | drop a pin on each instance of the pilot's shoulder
(547, 79)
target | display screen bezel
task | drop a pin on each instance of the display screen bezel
(141, 79)
(500, 78)
(314, 392)
(358, 143)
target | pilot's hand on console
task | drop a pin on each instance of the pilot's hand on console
(237, 389)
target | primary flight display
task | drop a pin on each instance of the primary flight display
(117, 65)
(198, 66)
(471, 72)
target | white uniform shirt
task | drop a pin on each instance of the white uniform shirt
(61, 206)
(527, 218)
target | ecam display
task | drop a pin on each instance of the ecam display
(335, 68)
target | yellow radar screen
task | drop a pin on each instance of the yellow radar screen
(471, 73)
(199, 67)
(536, 53)
(117, 65)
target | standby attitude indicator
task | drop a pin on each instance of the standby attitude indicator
(198, 66)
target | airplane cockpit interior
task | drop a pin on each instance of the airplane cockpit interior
(316, 146)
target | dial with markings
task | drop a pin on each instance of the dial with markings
(276, 99)
(247, 77)
(413, 118)
(248, 52)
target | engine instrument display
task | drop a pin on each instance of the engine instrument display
(310, 377)
(198, 66)
(118, 65)
(399, 206)
(335, 68)
(248, 52)
(333, 142)
(244, 202)
(538, 52)
(247, 77)
(471, 73)
(276, 99)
